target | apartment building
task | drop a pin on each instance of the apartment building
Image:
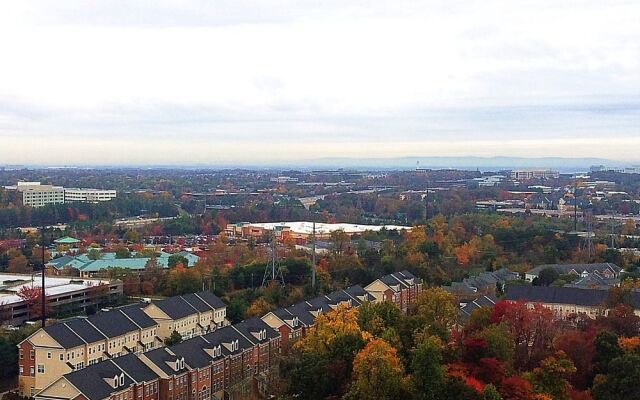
(565, 301)
(401, 288)
(527, 174)
(79, 342)
(229, 363)
(35, 194)
(607, 270)
(88, 195)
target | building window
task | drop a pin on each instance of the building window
(32, 371)
(32, 354)
(40, 369)
(21, 370)
(61, 357)
(49, 355)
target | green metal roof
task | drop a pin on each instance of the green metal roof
(67, 240)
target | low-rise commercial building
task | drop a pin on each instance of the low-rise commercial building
(88, 195)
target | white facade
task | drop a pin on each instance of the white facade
(88, 195)
(36, 195)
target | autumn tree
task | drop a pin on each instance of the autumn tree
(328, 326)
(259, 307)
(427, 372)
(32, 297)
(621, 381)
(436, 311)
(551, 376)
(377, 373)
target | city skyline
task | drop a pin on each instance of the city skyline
(93, 83)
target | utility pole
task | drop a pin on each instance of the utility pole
(43, 316)
(313, 257)
(575, 203)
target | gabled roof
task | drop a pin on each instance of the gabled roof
(139, 317)
(135, 368)
(193, 351)
(211, 299)
(359, 293)
(164, 359)
(95, 380)
(112, 324)
(81, 327)
(301, 310)
(250, 327)
(63, 335)
(468, 308)
(176, 307)
(226, 335)
(579, 268)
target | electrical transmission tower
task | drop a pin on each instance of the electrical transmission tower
(587, 242)
(272, 271)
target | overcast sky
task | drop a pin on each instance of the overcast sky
(224, 81)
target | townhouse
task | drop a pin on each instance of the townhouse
(189, 315)
(76, 343)
(231, 362)
(293, 322)
(401, 288)
(216, 360)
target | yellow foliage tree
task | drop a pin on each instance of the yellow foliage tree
(341, 321)
(377, 373)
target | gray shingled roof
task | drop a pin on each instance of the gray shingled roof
(93, 380)
(63, 335)
(560, 295)
(565, 268)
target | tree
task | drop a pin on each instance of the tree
(32, 296)
(547, 276)
(621, 383)
(551, 376)
(607, 349)
(132, 236)
(175, 338)
(123, 252)
(499, 342)
(377, 373)
(339, 240)
(427, 373)
(376, 318)
(18, 264)
(515, 388)
(259, 307)
(341, 321)
(436, 311)
(93, 254)
(176, 259)
(491, 393)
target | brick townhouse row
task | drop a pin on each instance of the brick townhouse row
(230, 362)
(76, 343)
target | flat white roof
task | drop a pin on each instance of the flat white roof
(307, 227)
(53, 285)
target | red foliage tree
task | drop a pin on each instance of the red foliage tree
(32, 296)
(579, 347)
(490, 370)
(515, 388)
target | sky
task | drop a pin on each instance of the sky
(113, 82)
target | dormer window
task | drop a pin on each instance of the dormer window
(234, 345)
(182, 363)
(217, 351)
(116, 382)
(122, 379)
(295, 322)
